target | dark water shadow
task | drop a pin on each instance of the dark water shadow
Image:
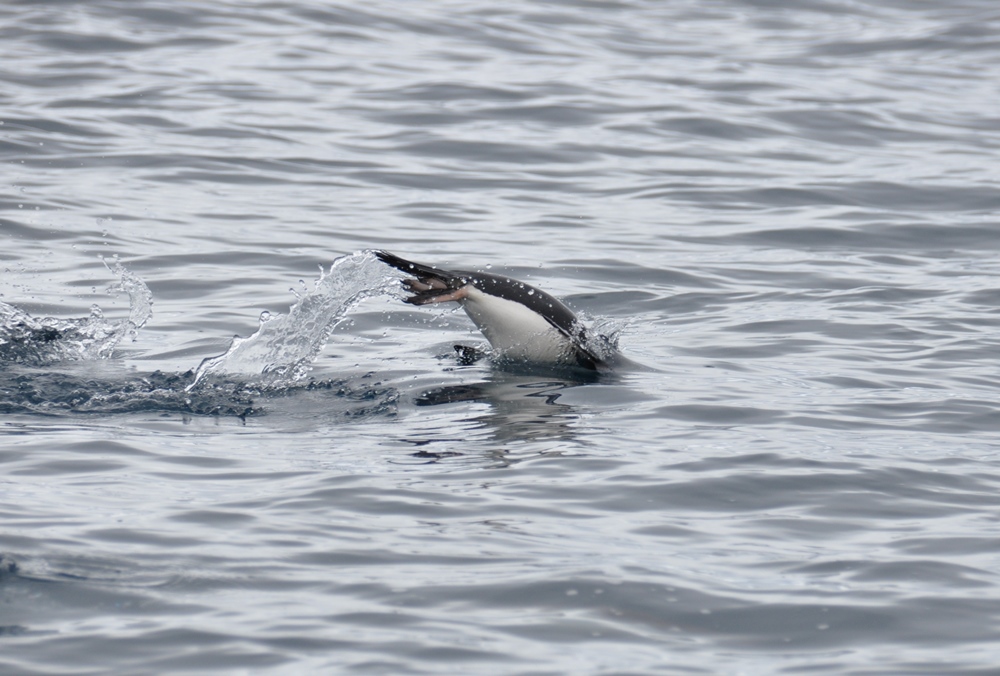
(79, 389)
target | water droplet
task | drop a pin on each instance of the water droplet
(265, 316)
(531, 292)
(489, 266)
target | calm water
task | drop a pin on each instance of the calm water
(787, 212)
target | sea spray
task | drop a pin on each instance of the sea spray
(283, 348)
(36, 341)
(140, 302)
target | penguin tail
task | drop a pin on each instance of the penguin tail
(430, 285)
(416, 269)
(425, 294)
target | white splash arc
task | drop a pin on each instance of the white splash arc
(284, 345)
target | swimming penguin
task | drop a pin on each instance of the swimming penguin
(521, 322)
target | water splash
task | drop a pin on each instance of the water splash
(254, 374)
(277, 355)
(37, 341)
(140, 300)
(602, 338)
(281, 351)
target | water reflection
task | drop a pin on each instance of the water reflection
(519, 408)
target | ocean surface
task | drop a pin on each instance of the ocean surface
(785, 213)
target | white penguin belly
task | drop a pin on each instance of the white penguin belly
(513, 330)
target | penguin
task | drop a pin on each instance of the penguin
(522, 323)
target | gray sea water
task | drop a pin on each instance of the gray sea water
(785, 212)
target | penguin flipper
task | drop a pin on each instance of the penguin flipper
(468, 355)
